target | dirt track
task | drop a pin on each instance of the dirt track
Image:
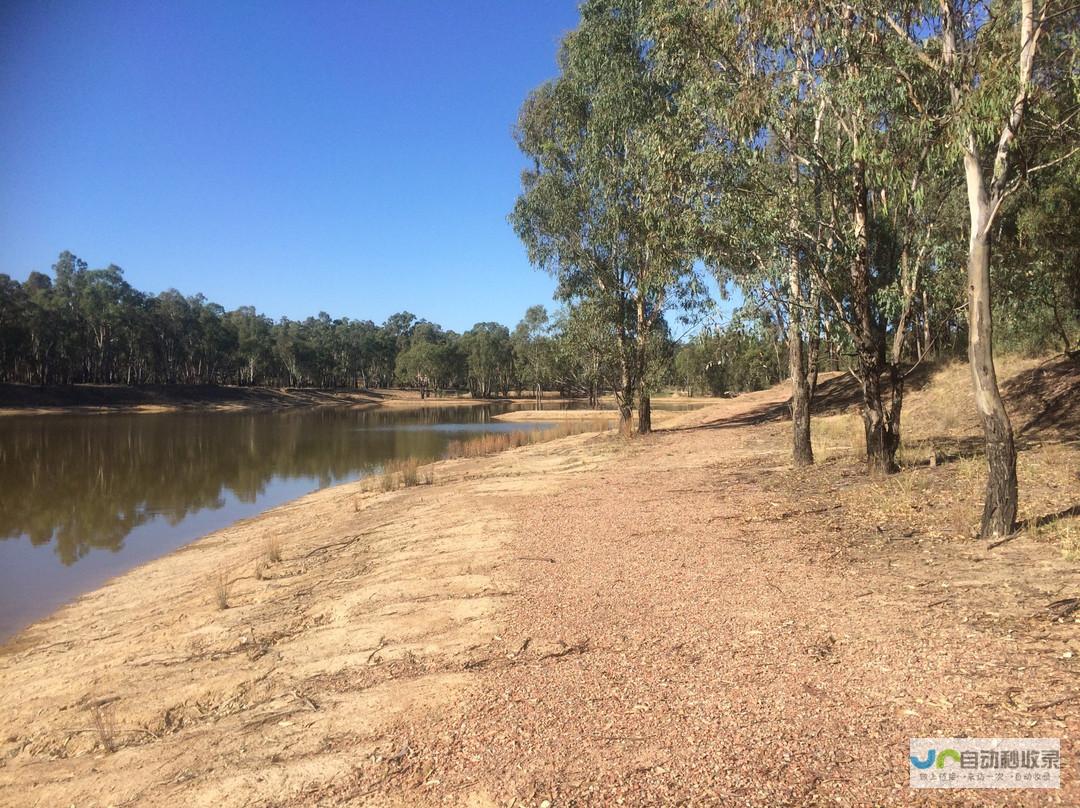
(681, 618)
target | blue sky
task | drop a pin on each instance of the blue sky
(352, 157)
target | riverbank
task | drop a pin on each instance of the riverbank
(681, 616)
(663, 409)
(85, 399)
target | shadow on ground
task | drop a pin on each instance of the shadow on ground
(835, 395)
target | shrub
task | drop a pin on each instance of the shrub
(221, 585)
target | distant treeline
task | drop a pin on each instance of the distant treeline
(78, 325)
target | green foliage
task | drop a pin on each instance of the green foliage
(80, 325)
(606, 206)
(1036, 278)
(739, 357)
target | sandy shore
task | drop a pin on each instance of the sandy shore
(521, 416)
(18, 399)
(676, 618)
(332, 645)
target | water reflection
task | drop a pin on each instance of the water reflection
(140, 485)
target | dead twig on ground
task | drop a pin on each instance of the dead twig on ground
(379, 647)
(347, 540)
(774, 586)
(1064, 607)
(567, 650)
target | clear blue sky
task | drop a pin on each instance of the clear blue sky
(352, 157)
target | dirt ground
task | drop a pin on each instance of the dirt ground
(678, 619)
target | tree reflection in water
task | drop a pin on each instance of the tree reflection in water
(85, 482)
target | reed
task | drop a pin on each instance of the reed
(494, 442)
(221, 586)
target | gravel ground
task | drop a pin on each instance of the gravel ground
(687, 631)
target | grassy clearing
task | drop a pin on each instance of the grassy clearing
(837, 436)
(939, 490)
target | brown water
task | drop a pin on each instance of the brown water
(83, 498)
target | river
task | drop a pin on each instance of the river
(86, 497)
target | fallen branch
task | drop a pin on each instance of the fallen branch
(347, 541)
(1015, 535)
(579, 648)
(774, 586)
(1055, 702)
(379, 647)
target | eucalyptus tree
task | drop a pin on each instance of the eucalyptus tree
(587, 351)
(826, 184)
(1038, 302)
(489, 357)
(605, 205)
(750, 71)
(434, 359)
(876, 195)
(1006, 66)
(252, 343)
(13, 318)
(532, 347)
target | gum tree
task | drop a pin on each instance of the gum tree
(605, 206)
(992, 58)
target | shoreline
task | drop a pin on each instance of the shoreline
(97, 399)
(152, 647)
(18, 400)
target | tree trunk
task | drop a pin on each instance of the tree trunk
(999, 509)
(640, 359)
(802, 453)
(644, 413)
(882, 436)
(625, 396)
(927, 334)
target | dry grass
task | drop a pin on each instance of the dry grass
(104, 718)
(494, 442)
(221, 585)
(406, 473)
(1046, 471)
(409, 472)
(837, 436)
(939, 491)
(1069, 537)
(272, 549)
(271, 554)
